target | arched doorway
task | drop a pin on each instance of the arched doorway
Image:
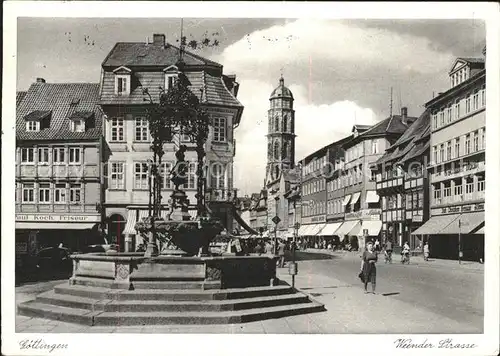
(116, 225)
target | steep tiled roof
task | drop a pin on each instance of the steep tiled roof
(391, 125)
(54, 101)
(19, 97)
(209, 89)
(142, 54)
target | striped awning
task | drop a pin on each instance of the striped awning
(372, 196)
(355, 198)
(131, 221)
(346, 199)
(303, 229)
(316, 229)
(435, 224)
(373, 227)
(346, 227)
(480, 231)
(329, 229)
(465, 223)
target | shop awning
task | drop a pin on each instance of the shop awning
(373, 227)
(356, 230)
(290, 233)
(329, 229)
(372, 196)
(346, 227)
(131, 221)
(465, 223)
(302, 230)
(346, 199)
(54, 226)
(435, 224)
(480, 231)
(316, 229)
(355, 198)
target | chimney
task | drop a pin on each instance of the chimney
(40, 80)
(404, 115)
(159, 39)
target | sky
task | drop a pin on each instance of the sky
(340, 71)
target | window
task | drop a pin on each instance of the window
(219, 129)
(74, 155)
(122, 85)
(191, 176)
(285, 124)
(374, 147)
(475, 100)
(441, 118)
(457, 147)
(60, 194)
(483, 96)
(32, 126)
(117, 178)
(458, 189)
(59, 155)
(117, 129)
(480, 184)
(43, 155)
(468, 105)
(476, 141)
(448, 115)
(437, 194)
(483, 138)
(165, 169)
(141, 176)
(434, 121)
(75, 193)
(457, 109)
(141, 129)
(218, 176)
(435, 154)
(448, 151)
(469, 188)
(441, 152)
(44, 193)
(77, 125)
(467, 144)
(447, 191)
(28, 193)
(27, 155)
(170, 80)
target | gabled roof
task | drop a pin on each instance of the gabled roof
(475, 62)
(56, 99)
(19, 97)
(142, 54)
(407, 144)
(37, 115)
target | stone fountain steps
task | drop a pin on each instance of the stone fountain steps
(109, 305)
(171, 294)
(108, 283)
(89, 317)
(104, 306)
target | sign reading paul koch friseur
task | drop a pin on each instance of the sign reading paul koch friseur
(56, 218)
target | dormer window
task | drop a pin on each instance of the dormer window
(32, 126)
(122, 81)
(78, 126)
(37, 120)
(81, 120)
(171, 75)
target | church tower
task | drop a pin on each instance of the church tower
(281, 132)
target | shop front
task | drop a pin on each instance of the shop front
(37, 231)
(455, 232)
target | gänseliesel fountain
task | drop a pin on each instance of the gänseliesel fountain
(191, 287)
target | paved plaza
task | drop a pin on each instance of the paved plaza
(408, 300)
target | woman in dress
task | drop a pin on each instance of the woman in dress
(368, 268)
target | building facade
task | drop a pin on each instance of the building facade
(58, 167)
(402, 184)
(457, 164)
(362, 217)
(126, 71)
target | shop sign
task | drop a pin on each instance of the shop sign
(57, 218)
(479, 206)
(313, 219)
(458, 209)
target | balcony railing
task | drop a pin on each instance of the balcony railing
(459, 198)
(56, 208)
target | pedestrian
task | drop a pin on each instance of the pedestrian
(388, 251)
(377, 245)
(258, 249)
(269, 248)
(368, 268)
(281, 254)
(426, 251)
(405, 253)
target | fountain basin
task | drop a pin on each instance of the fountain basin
(126, 270)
